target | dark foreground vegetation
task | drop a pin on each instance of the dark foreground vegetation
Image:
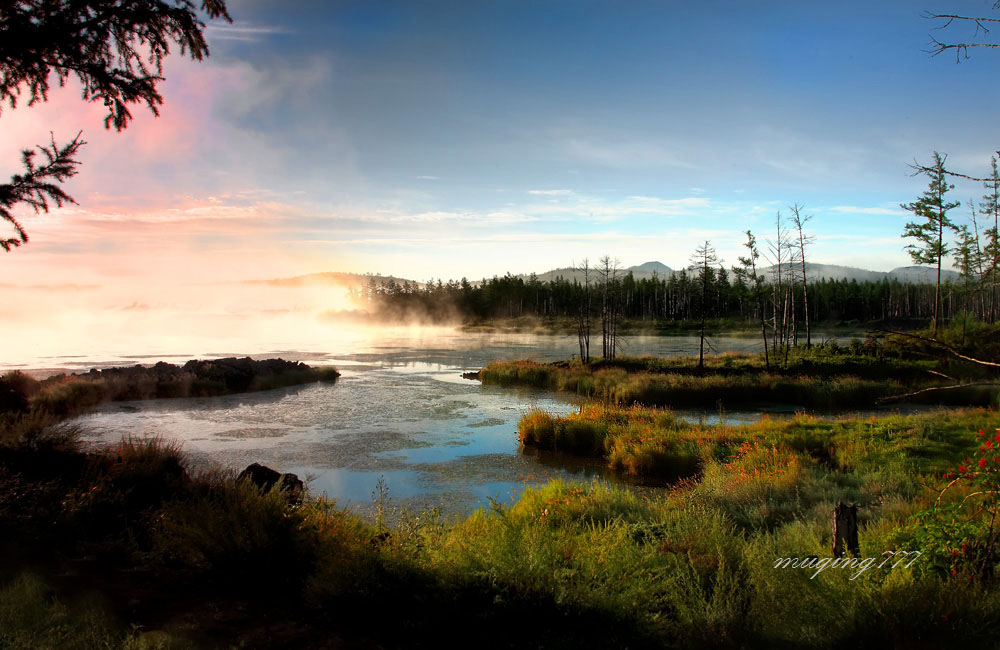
(129, 548)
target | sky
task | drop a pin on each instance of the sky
(433, 139)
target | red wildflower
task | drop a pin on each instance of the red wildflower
(980, 433)
(982, 462)
(961, 469)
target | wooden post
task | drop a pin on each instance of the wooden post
(845, 530)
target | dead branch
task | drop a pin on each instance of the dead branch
(980, 22)
(893, 398)
(965, 357)
(923, 169)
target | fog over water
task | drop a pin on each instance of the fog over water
(400, 410)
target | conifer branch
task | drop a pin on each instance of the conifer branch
(37, 185)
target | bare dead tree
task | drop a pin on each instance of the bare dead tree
(779, 254)
(977, 260)
(799, 222)
(584, 311)
(775, 251)
(961, 48)
(990, 206)
(610, 306)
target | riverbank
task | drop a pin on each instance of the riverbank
(27, 405)
(815, 380)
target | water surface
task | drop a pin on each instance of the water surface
(401, 411)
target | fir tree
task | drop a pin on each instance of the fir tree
(702, 260)
(930, 247)
(115, 48)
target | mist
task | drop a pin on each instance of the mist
(68, 326)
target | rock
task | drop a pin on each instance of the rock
(265, 479)
(293, 486)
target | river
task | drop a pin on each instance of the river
(401, 410)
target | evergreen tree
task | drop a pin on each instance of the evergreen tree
(702, 260)
(930, 247)
(748, 271)
(114, 47)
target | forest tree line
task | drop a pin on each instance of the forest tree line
(656, 299)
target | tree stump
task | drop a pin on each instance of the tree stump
(845, 530)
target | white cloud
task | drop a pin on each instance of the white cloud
(551, 192)
(243, 32)
(873, 210)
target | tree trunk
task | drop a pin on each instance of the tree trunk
(845, 530)
(937, 285)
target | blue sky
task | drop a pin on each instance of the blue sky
(430, 139)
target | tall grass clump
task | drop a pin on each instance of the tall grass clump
(573, 435)
(237, 538)
(760, 486)
(518, 373)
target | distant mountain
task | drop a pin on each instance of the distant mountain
(910, 274)
(906, 274)
(641, 271)
(922, 274)
(329, 279)
(659, 268)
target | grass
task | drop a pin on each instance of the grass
(653, 443)
(812, 379)
(565, 565)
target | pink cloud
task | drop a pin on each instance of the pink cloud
(156, 160)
